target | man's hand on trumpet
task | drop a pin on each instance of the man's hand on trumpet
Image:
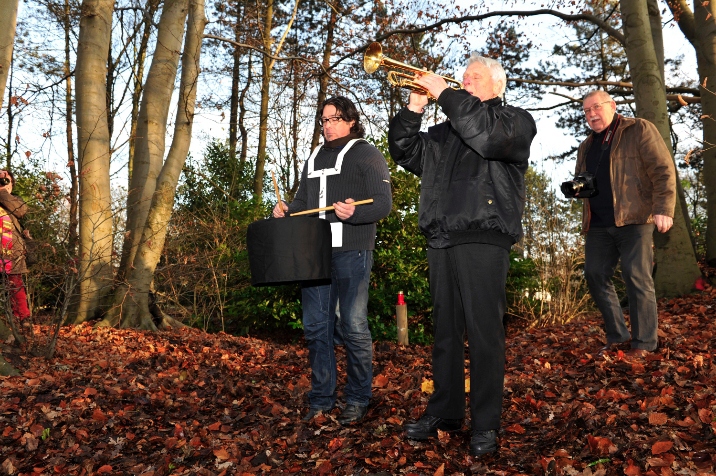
(432, 83)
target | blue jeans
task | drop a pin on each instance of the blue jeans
(350, 277)
(633, 243)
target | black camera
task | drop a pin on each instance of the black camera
(584, 185)
(4, 181)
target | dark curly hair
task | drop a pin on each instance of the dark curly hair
(347, 111)
(12, 177)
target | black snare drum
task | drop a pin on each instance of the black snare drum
(291, 249)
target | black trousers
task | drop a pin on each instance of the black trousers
(467, 284)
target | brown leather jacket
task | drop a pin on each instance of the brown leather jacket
(15, 207)
(642, 173)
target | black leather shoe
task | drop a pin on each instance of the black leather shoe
(608, 347)
(429, 425)
(483, 442)
(352, 414)
(612, 347)
(312, 412)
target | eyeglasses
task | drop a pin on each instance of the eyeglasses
(596, 108)
(330, 120)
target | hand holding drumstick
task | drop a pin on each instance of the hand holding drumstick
(281, 208)
(279, 211)
(344, 210)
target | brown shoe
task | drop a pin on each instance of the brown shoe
(638, 353)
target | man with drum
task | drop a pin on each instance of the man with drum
(472, 170)
(343, 170)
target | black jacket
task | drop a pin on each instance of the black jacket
(472, 169)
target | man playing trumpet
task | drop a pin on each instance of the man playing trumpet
(472, 170)
(343, 169)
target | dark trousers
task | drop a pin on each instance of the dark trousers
(467, 284)
(633, 244)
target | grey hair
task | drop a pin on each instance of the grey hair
(496, 70)
(605, 95)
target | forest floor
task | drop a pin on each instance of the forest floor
(184, 402)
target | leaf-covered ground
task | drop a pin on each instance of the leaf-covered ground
(185, 402)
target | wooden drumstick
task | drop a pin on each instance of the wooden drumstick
(322, 209)
(275, 187)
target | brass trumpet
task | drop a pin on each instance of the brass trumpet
(374, 59)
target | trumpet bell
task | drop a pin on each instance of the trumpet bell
(373, 58)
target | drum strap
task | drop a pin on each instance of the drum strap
(323, 174)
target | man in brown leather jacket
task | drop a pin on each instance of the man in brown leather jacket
(12, 249)
(636, 183)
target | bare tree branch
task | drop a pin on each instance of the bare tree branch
(615, 33)
(611, 31)
(675, 90)
(556, 106)
(260, 50)
(273, 57)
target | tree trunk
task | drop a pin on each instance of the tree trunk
(10, 121)
(705, 40)
(658, 40)
(134, 295)
(243, 152)
(323, 78)
(701, 33)
(138, 79)
(109, 91)
(95, 270)
(676, 267)
(656, 34)
(73, 238)
(267, 66)
(137, 90)
(8, 24)
(295, 124)
(235, 80)
(152, 126)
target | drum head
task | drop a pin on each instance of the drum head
(291, 249)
